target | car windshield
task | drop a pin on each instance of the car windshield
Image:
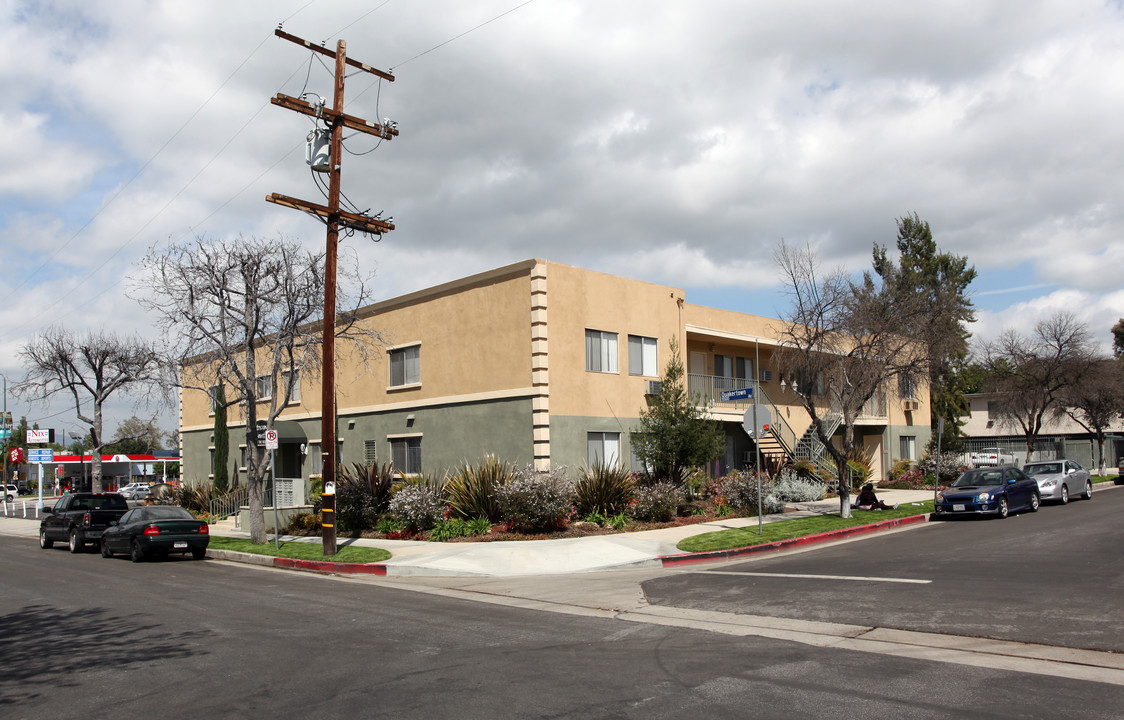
(977, 478)
(1043, 469)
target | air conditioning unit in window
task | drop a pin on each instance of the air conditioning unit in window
(766, 376)
(910, 405)
(653, 387)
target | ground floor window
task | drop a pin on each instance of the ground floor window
(406, 455)
(908, 447)
(604, 448)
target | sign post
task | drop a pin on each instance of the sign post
(271, 445)
(40, 456)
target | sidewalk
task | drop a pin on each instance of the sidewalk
(650, 548)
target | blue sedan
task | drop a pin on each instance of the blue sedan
(989, 491)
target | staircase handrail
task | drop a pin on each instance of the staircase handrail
(228, 504)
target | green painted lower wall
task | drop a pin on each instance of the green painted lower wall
(450, 435)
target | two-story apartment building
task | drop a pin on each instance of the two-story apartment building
(545, 364)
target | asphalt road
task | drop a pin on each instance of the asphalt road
(86, 637)
(1053, 577)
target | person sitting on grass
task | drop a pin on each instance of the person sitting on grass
(867, 500)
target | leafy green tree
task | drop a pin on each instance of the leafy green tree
(222, 440)
(137, 437)
(675, 436)
(942, 279)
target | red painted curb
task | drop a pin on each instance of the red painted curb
(330, 567)
(713, 555)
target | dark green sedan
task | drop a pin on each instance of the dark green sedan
(156, 530)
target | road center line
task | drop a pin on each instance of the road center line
(909, 581)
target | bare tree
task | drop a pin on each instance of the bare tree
(243, 312)
(1097, 402)
(844, 341)
(90, 368)
(1035, 374)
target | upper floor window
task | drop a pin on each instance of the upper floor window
(600, 351)
(405, 366)
(642, 356)
(213, 394)
(293, 382)
(907, 387)
(263, 387)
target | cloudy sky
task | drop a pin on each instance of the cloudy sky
(667, 141)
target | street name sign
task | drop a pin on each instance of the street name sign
(739, 394)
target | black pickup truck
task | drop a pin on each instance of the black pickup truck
(80, 518)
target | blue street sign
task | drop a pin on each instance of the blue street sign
(40, 455)
(739, 394)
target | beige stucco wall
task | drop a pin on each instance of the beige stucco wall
(581, 299)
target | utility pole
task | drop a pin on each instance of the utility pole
(334, 218)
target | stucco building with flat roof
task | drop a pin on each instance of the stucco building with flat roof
(545, 364)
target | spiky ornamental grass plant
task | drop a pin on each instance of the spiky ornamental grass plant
(604, 489)
(472, 491)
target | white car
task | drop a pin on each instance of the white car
(134, 491)
(992, 457)
(10, 493)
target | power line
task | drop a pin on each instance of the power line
(466, 32)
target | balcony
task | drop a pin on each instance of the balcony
(706, 391)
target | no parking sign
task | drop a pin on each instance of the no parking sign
(270, 439)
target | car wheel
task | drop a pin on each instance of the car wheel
(1003, 509)
(1088, 490)
(1065, 494)
(136, 554)
(44, 541)
(76, 545)
(1035, 501)
(198, 553)
(105, 551)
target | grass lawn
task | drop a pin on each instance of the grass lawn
(797, 527)
(1098, 479)
(302, 550)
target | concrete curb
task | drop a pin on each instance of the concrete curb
(717, 555)
(319, 566)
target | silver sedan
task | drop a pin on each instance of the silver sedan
(1060, 479)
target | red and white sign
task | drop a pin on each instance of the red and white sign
(270, 439)
(38, 436)
(16, 455)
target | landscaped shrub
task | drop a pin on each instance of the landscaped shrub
(604, 489)
(536, 501)
(419, 505)
(472, 491)
(302, 523)
(952, 466)
(790, 487)
(448, 529)
(739, 491)
(657, 502)
(195, 497)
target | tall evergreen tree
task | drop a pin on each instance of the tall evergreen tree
(222, 440)
(675, 436)
(943, 280)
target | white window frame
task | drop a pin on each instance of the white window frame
(263, 382)
(410, 365)
(601, 352)
(643, 357)
(603, 447)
